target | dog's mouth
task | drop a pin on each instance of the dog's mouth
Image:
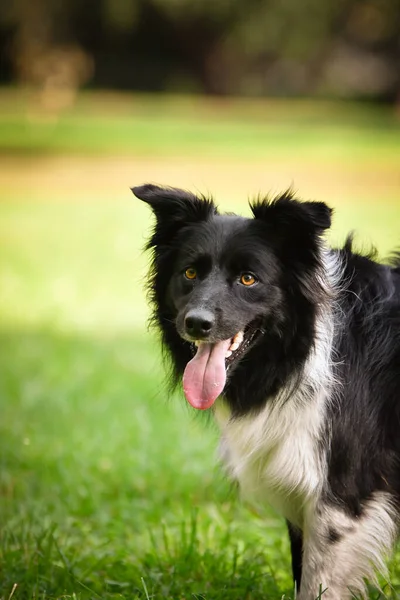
(239, 345)
(205, 375)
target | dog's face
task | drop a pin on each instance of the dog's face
(223, 281)
(223, 289)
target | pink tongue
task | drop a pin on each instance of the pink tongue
(205, 376)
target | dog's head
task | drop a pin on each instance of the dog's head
(222, 282)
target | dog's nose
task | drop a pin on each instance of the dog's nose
(199, 322)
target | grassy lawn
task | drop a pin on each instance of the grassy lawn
(107, 488)
(159, 125)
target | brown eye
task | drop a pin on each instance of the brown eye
(190, 273)
(247, 279)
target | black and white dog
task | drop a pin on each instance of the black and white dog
(296, 347)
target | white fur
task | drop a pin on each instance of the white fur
(340, 567)
(274, 456)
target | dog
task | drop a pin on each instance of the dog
(295, 347)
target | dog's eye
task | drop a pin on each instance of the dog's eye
(190, 273)
(247, 279)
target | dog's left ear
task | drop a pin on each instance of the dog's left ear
(286, 214)
(173, 206)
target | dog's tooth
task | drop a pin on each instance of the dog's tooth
(238, 338)
(196, 343)
(228, 353)
(234, 346)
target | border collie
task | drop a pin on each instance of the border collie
(295, 347)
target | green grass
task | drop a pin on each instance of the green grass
(159, 125)
(108, 489)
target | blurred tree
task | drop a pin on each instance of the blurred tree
(43, 52)
(341, 47)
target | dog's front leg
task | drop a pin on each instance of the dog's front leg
(342, 550)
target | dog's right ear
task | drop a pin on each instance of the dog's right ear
(174, 207)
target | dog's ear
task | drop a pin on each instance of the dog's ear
(173, 206)
(294, 229)
(286, 214)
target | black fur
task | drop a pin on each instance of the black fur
(296, 549)
(282, 246)
(365, 422)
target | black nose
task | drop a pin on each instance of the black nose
(199, 322)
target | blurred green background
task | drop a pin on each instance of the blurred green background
(107, 488)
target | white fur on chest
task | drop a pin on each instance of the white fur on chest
(275, 455)
(278, 456)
